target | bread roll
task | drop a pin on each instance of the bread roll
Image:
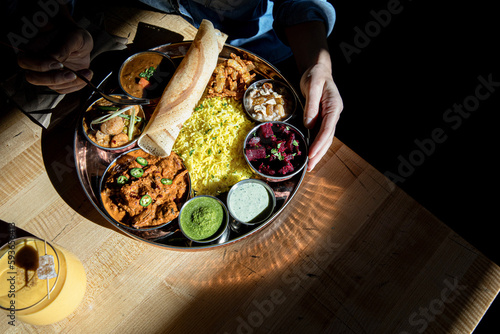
(184, 91)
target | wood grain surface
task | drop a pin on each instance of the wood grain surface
(351, 254)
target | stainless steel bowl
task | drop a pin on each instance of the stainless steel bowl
(86, 127)
(299, 164)
(278, 87)
(221, 232)
(164, 70)
(120, 224)
(260, 217)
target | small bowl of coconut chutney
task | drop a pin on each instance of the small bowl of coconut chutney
(251, 201)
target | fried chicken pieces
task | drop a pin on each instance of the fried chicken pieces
(231, 78)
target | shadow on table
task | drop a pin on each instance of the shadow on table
(58, 157)
(58, 141)
(9, 231)
(329, 268)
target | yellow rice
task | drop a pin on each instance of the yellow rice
(211, 145)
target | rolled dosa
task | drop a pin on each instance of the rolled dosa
(184, 91)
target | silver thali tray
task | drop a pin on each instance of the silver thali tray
(91, 163)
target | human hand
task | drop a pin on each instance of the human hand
(323, 103)
(45, 67)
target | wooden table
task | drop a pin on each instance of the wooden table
(351, 254)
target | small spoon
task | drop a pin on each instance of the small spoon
(113, 99)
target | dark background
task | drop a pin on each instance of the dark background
(396, 89)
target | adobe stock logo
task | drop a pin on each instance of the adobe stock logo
(373, 28)
(67, 167)
(419, 321)
(453, 119)
(30, 28)
(292, 279)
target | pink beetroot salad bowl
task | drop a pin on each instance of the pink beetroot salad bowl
(276, 151)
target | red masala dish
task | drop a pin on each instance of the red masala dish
(143, 191)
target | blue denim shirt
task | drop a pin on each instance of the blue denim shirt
(255, 25)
